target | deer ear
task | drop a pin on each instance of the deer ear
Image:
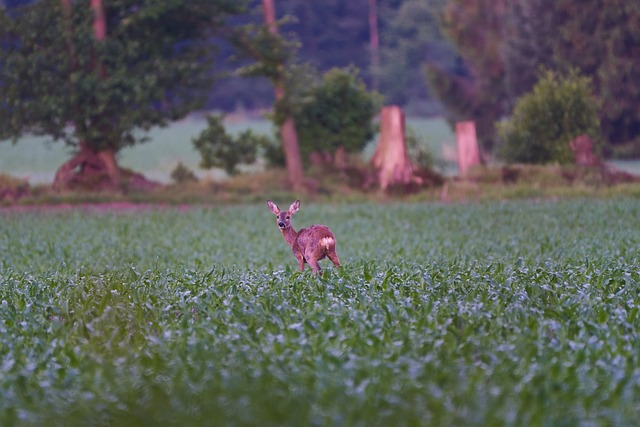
(274, 208)
(294, 207)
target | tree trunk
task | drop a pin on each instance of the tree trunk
(106, 156)
(467, 142)
(374, 43)
(87, 169)
(288, 134)
(108, 159)
(390, 159)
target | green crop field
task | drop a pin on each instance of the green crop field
(518, 313)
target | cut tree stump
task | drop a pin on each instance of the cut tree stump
(98, 171)
(584, 152)
(467, 142)
(390, 160)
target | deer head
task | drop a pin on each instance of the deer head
(283, 218)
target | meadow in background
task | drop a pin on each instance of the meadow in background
(37, 161)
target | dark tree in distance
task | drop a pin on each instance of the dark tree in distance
(411, 36)
(273, 56)
(476, 28)
(505, 45)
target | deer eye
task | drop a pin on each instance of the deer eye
(288, 217)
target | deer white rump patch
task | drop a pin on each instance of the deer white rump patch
(327, 241)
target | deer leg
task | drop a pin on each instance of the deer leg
(333, 256)
(314, 265)
(300, 262)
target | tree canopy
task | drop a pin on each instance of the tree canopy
(505, 45)
(152, 65)
(546, 120)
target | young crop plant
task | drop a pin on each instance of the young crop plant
(509, 313)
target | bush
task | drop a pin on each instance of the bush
(219, 149)
(544, 121)
(336, 112)
(418, 150)
(12, 189)
(182, 174)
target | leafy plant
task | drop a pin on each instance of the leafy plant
(520, 313)
(336, 112)
(219, 149)
(182, 174)
(419, 151)
(544, 121)
(152, 67)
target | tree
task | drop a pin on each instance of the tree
(143, 65)
(288, 133)
(391, 159)
(505, 45)
(601, 38)
(374, 44)
(336, 112)
(476, 28)
(546, 120)
(411, 36)
(219, 149)
(530, 29)
(272, 57)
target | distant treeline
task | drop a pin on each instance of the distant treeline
(463, 59)
(470, 59)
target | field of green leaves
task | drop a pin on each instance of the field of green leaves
(518, 313)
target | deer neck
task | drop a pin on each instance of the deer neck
(290, 235)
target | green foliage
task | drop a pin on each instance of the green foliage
(269, 51)
(153, 67)
(271, 151)
(411, 36)
(336, 111)
(182, 174)
(525, 312)
(544, 121)
(419, 151)
(504, 44)
(219, 149)
(601, 39)
(474, 90)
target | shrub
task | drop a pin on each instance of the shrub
(182, 174)
(12, 189)
(418, 150)
(545, 120)
(336, 112)
(219, 149)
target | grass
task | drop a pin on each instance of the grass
(517, 313)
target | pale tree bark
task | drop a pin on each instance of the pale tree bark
(467, 142)
(288, 134)
(390, 160)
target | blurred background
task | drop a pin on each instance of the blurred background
(441, 61)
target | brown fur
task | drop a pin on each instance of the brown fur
(309, 245)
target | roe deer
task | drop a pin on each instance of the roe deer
(309, 245)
